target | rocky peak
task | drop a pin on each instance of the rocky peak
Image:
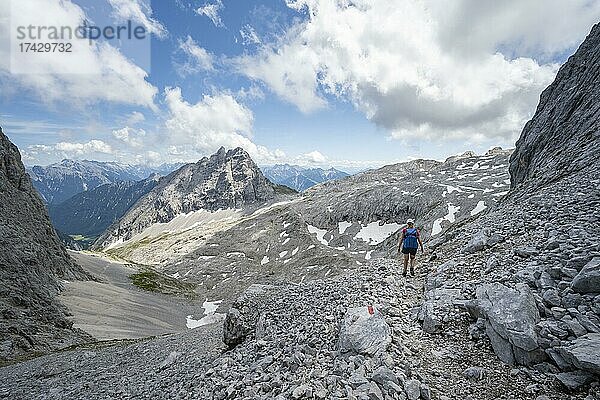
(563, 136)
(225, 180)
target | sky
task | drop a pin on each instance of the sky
(346, 83)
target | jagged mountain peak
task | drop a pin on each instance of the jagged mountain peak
(228, 179)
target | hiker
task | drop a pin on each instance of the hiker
(409, 244)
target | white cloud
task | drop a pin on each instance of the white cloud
(436, 69)
(249, 35)
(93, 146)
(138, 11)
(314, 157)
(211, 10)
(198, 59)
(43, 152)
(91, 73)
(130, 136)
(219, 120)
(135, 118)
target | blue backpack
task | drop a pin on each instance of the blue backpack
(410, 239)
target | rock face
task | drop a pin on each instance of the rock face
(91, 212)
(32, 263)
(364, 331)
(301, 178)
(225, 180)
(510, 318)
(564, 135)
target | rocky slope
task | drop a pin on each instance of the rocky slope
(91, 212)
(528, 271)
(225, 180)
(59, 182)
(32, 265)
(435, 194)
(300, 178)
(564, 137)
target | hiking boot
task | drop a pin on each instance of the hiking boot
(412, 272)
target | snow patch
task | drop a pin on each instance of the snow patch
(479, 207)
(342, 226)
(375, 232)
(450, 217)
(319, 232)
(210, 315)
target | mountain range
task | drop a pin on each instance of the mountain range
(61, 181)
(225, 180)
(300, 178)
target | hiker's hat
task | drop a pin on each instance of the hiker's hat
(410, 221)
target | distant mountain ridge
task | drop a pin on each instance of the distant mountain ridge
(61, 181)
(301, 178)
(90, 213)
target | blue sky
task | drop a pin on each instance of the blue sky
(310, 82)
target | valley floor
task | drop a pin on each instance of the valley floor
(114, 308)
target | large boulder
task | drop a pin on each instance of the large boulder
(482, 239)
(364, 331)
(588, 279)
(242, 318)
(510, 318)
(583, 353)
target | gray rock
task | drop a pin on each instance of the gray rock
(474, 373)
(583, 353)
(364, 333)
(374, 392)
(561, 138)
(242, 318)
(575, 380)
(552, 298)
(436, 307)
(357, 379)
(588, 279)
(412, 387)
(167, 362)
(383, 375)
(511, 316)
(481, 240)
